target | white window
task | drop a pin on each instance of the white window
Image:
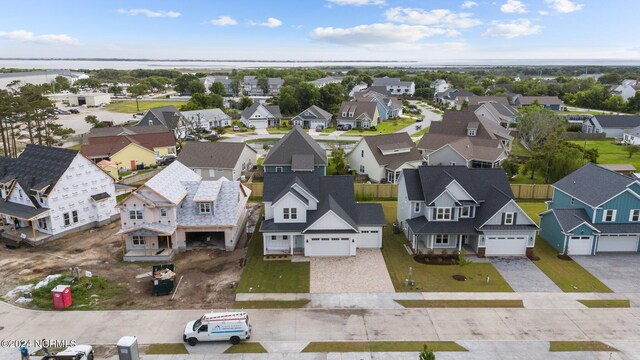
(634, 215)
(361, 169)
(361, 153)
(244, 166)
(509, 218)
(294, 213)
(212, 173)
(278, 169)
(163, 212)
(417, 207)
(286, 214)
(471, 132)
(135, 214)
(205, 208)
(442, 239)
(42, 223)
(443, 213)
(150, 122)
(465, 212)
(315, 239)
(137, 240)
(609, 215)
(74, 214)
(324, 239)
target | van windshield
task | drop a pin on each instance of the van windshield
(196, 325)
(247, 320)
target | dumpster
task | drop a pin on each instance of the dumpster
(163, 279)
(140, 167)
(61, 295)
(128, 348)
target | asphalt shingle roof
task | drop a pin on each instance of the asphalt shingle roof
(618, 121)
(377, 143)
(593, 184)
(169, 116)
(225, 155)
(295, 142)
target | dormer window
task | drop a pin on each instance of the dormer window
(290, 213)
(205, 208)
(350, 114)
(465, 212)
(471, 132)
(443, 213)
(509, 218)
(344, 114)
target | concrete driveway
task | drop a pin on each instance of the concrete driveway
(522, 275)
(364, 273)
(618, 271)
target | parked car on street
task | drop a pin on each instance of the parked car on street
(77, 352)
(74, 111)
(419, 119)
(319, 128)
(166, 159)
(232, 326)
(236, 128)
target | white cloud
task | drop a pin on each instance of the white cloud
(564, 6)
(271, 23)
(543, 12)
(149, 13)
(375, 34)
(513, 7)
(437, 17)
(29, 37)
(356, 2)
(512, 29)
(468, 4)
(223, 20)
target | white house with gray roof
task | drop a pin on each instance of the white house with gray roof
(261, 116)
(317, 216)
(395, 86)
(177, 210)
(207, 119)
(313, 117)
(614, 126)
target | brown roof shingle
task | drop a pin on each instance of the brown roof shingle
(211, 154)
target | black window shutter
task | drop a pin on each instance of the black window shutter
(503, 216)
(515, 218)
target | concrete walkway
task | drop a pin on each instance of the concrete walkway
(522, 275)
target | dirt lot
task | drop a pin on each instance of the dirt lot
(207, 274)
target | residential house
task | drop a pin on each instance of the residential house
(312, 118)
(357, 88)
(224, 80)
(479, 100)
(216, 160)
(383, 157)
(261, 116)
(627, 88)
(439, 86)
(358, 114)
(593, 210)
(326, 81)
(251, 86)
(504, 115)
(547, 102)
(317, 216)
(129, 148)
(176, 210)
(455, 207)
(632, 136)
(296, 152)
(624, 169)
(389, 107)
(49, 192)
(395, 86)
(167, 116)
(614, 126)
(207, 119)
(449, 97)
(463, 138)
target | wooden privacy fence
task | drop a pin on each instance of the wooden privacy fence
(532, 191)
(138, 178)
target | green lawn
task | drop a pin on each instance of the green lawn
(579, 346)
(380, 346)
(129, 106)
(533, 208)
(246, 348)
(386, 127)
(608, 303)
(88, 293)
(77, 147)
(282, 276)
(433, 278)
(270, 304)
(461, 303)
(421, 132)
(567, 274)
(518, 150)
(166, 349)
(610, 153)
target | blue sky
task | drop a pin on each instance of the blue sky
(322, 29)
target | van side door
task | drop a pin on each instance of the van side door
(203, 332)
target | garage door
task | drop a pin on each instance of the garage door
(328, 246)
(580, 245)
(505, 245)
(370, 239)
(610, 243)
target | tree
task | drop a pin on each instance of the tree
(218, 88)
(137, 91)
(115, 89)
(94, 122)
(306, 95)
(511, 167)
(182, 83)
(427, 354)
(287, 100)
(244, 102)
(202, 101)
(62, 83)
(196, 87)
(536, 124)
(332, 96)
(337, 158)
(91, 82)
(631, 149)
(235, 86)
(263, 84)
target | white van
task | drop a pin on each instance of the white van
(233, 326)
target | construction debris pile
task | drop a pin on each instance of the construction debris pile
(164, 274)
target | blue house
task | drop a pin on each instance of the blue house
(296, 152)
(593, 210)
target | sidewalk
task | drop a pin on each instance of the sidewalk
(538, 300)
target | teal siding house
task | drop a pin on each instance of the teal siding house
(593, 210)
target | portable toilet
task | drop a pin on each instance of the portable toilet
(61, 295)
(128, 348)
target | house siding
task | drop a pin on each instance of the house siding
(403, 211)
(320, 169)
(446, 156)
(217, 173)
(134, 153)
(371, 167)
(563, 201)
(623, 203)
(551, 232)
(521, 218)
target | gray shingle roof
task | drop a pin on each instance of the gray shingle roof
(225, 155)
(169, 116)
(295, 142)
(302, 162)
(357, 108)
(377, 143)
(593, 184)
(570, 218)
(420, 225)
(206, 114)
(314, 112)
(618, 121)
(273, 109)
(20, 211)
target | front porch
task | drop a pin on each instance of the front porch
(164, 254)
(27, 235)
(437, 243)
(288, 244)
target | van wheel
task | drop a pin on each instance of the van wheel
(235, 340)
(192, 341)
(90, 357)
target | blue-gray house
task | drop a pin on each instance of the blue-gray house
(296, 152)
(593, 210)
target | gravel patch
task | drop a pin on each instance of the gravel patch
(364, 273)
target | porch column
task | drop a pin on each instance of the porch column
(460, 236)
(291, 242)
(168, 248)
(431, 241)
(124, 245)
(33, 230)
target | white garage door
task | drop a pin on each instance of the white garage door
(505, 245)
(610, 243)
(580, 245)
(371, 239)
(328, 246)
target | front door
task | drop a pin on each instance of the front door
(299, 242)
(133, 165)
